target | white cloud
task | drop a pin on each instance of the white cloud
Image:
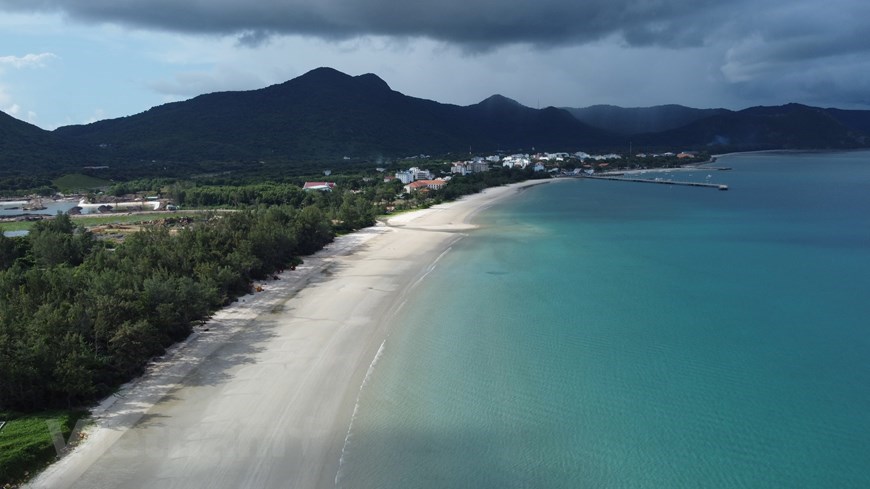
(8, 106)
(16, 111)
(6, 103)
(192, 83)
(27, 61)
(98, 115)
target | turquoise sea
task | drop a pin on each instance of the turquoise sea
(599, 334)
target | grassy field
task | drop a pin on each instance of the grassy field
(97, 220)
(77, 181)
(87, 220)
(15, 225)
(26, 444)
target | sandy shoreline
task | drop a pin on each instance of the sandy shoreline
(263, 395)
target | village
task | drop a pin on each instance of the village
(415, 179)
(416, 183)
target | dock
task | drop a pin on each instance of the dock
(659, 181)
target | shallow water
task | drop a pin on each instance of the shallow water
(51, 208)
(615, 335)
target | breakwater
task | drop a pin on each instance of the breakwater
(657, 180)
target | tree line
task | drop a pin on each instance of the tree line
(79, 316)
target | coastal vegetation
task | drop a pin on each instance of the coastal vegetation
(82, 312)
(81, 315)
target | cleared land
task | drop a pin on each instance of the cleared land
(77, 181)
(104, 219)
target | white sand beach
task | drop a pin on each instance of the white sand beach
(263, 394)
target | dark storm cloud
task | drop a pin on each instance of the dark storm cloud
(798, 28)
(805, 49)
(473, 23)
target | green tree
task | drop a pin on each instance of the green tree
(312, 230)
(56, 241)
(11, 249)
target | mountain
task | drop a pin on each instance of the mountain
(501, 123)
(857, 120)
(25, 148)
(639, 120)
(791, 126)
(327, 114)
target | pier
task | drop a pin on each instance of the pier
(659, 181)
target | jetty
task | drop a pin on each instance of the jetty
(657, 180)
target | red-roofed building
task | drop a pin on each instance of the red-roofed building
(421, 184)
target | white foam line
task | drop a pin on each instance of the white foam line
(356, 410)
(441, 255)
(344, 448)
(429, 269)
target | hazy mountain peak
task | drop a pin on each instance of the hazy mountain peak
(324, 72)
(639, 120)
(500, 100)
(372, 80)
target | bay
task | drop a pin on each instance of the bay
(615, 335)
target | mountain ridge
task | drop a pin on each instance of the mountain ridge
(639, 120)
(326, 115)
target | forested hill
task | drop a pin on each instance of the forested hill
(328, 114)
(27, 149)
(639, 120)
(790, 126)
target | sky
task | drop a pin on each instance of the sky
(73, 62)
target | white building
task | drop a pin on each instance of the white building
(479, 166)
(405, 177)
(413, 174)
(421, 174)
(517, 160)
(460, 168)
